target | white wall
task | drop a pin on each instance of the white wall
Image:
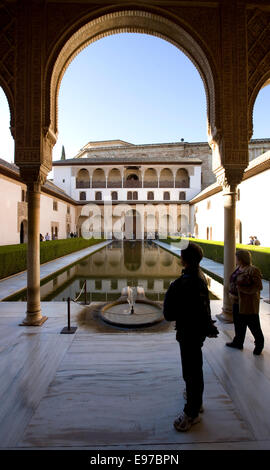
(48, 216)
(252, 210)
(253, 207)
(10, 196)
(212, 217)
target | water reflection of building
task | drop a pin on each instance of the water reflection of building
(111, 269)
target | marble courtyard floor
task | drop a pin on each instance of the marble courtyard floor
(106, 388)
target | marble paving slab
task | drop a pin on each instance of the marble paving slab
(120, 399)
(117, 389)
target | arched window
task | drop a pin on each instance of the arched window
(129, 195)
(114, 179)
(98, 196)
(166, 178)
(150, 196)
(98, 179)
(135, 195)
(114, 195)
(150, 179)
(132, 178)
(182, 178)
(83, 179)
(166, 196)
(82, 196)
(182, 196)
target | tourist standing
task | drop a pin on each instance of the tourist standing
(187, 302)
(47, 237)
(251, 240)
(245, 287)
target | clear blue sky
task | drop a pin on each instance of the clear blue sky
(133, 87)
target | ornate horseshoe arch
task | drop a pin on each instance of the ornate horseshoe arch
(132, 21)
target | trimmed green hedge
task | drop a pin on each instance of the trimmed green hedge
(215, 251)
(13, 258)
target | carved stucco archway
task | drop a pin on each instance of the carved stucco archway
(132, 21)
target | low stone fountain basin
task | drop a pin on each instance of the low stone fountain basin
(146, 313)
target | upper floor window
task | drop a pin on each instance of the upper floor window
(182, 179)
(135, 195)
(98, 196)
(114, 196)
(182, 196)
(68, 209)
(150, 196)
(166, 196)
(208, 205)
(55, 206)
(82, 196)
(24, 195)
(83, 179)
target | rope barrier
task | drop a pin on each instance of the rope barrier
(83, 288)
(71, 329)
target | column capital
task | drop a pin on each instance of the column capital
(33, 175)
(230, 177)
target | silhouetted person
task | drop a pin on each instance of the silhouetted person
(245, 287)
(187, 302)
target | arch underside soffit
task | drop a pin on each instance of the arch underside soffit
(7, 56)
(133, 22)
(258, 57)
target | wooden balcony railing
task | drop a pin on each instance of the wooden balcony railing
(82, 184)
(114, 184)
(150, 184)
(182, 184)
(98, 184)
(165, 184)
(132, 184)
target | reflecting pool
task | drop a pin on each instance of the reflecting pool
(108, 271)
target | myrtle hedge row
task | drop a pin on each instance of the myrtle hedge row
(13, 258)
(215, 251)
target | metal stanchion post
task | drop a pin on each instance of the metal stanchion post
(85, 293)
(68, 329)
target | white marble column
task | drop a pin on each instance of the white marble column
(229, 195)
(229, 180)
(33, 314)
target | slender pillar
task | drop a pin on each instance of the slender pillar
(229, 179)
(33, 314)
(229, 195)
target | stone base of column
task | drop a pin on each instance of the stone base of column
(32, 322)
(225, 317)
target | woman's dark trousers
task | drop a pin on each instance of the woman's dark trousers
(192, 367)
(241, 322)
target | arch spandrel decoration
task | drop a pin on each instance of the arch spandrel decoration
(133, 21)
